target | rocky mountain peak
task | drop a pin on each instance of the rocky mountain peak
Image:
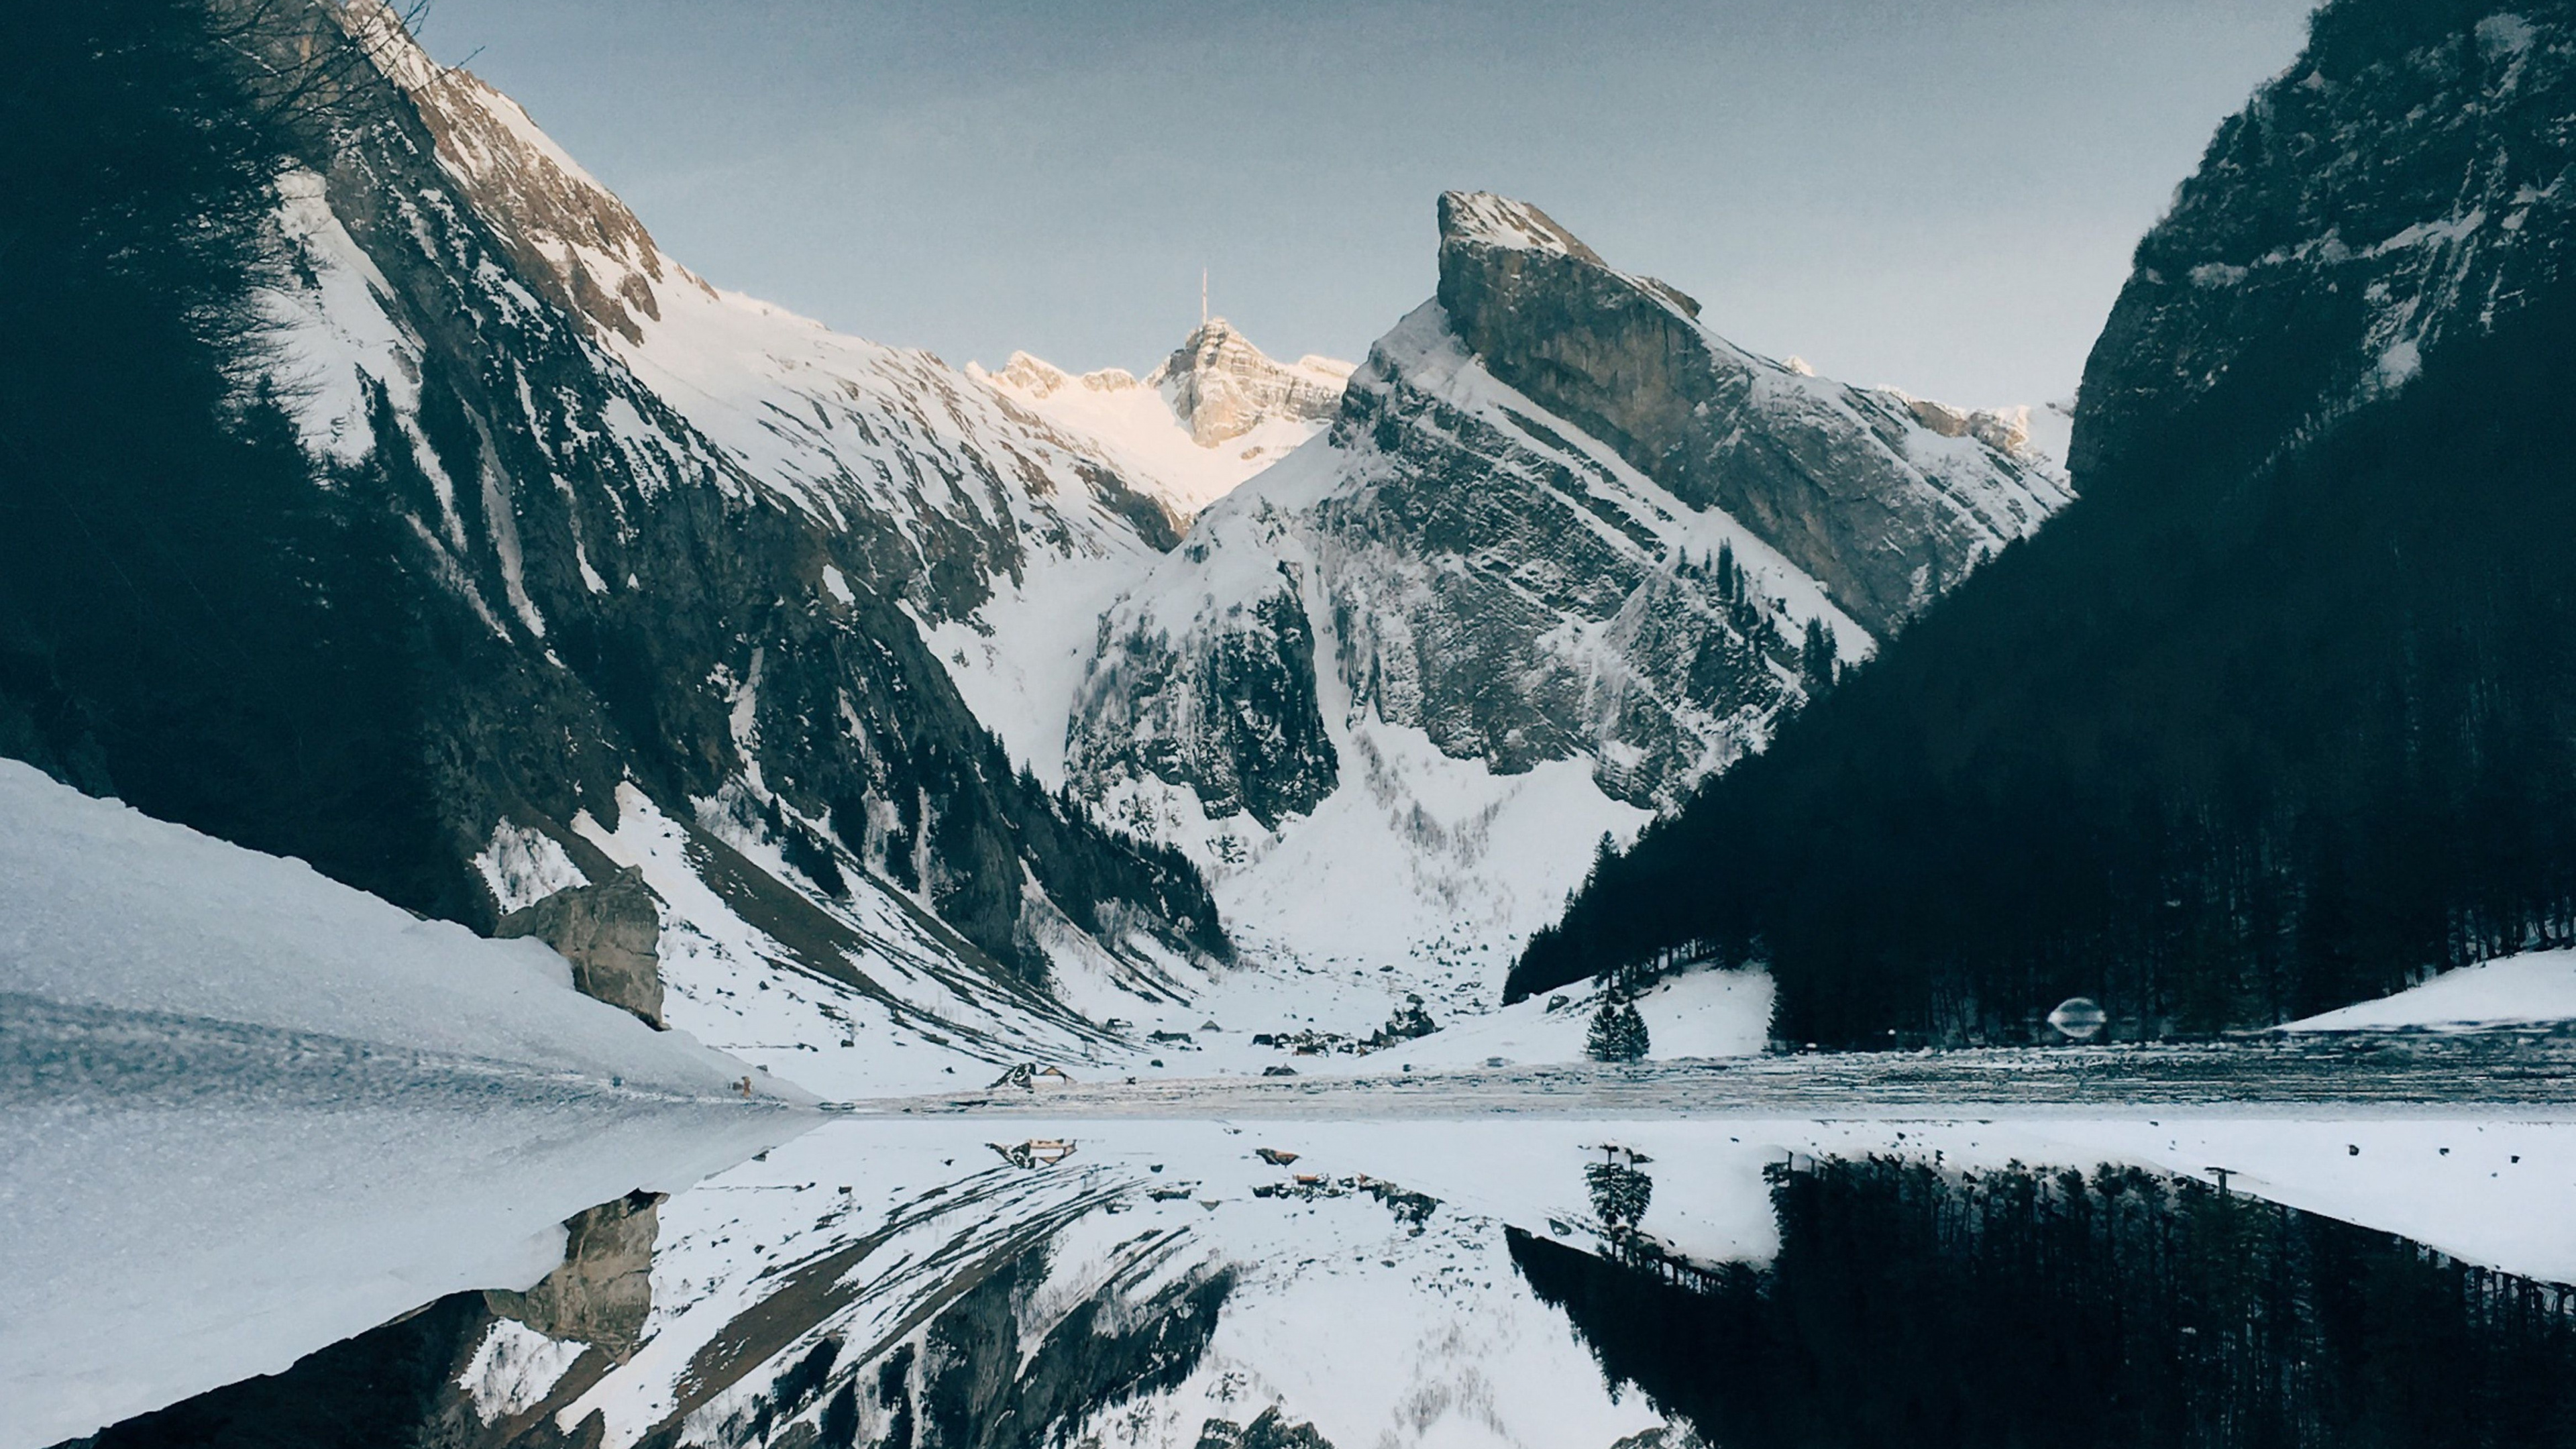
(1037, 378)
(565, 232)
(1480, 218)
(2403, 187)
(1484, 235)
(1884, 499)
(1222, 387)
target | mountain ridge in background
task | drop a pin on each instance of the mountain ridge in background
(1212, 414)
(1391, 691)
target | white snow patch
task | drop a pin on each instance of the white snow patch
(1691, 1015)
(2537, 987)
(2400, 363)
(514, 1369)
(254, 1194)
(523, 865)
(2504, 35)
(101, 906)
(335, 335)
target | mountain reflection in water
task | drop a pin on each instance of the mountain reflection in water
(1544, 1282)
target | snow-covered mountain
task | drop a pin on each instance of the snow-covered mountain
(1208, 417)
(545, 558)
(580, 564)
(1562, 553)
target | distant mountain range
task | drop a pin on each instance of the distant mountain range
(1210, 416)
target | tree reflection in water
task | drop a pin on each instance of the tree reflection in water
(1913, 1305)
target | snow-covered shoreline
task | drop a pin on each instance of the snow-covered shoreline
(246, 1111)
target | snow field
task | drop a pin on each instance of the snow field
(246, 1111)
(102, 907)
(2529, 989)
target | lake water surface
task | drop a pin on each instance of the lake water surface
(1736, 1281)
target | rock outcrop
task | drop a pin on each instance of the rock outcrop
(1221, 386)
(1234, 715)
(610, 933)
(1850, 485)
(602, 1293)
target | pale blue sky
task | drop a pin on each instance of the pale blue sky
(1943, 196)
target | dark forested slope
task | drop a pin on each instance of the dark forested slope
(2283, 712)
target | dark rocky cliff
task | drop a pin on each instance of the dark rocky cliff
(1845, 482)
(366, 614)
(2274, 718)
(2402, 186)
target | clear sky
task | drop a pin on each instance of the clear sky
(1939, 194)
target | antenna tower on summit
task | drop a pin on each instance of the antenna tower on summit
(1202, 296)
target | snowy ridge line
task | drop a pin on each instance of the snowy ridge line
(57, 1052)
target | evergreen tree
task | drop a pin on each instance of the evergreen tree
(1618, 1033)
(1620, 1195)
(1816, 658)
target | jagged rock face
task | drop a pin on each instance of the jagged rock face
(565, 234)
(610, 933)
(1852, 486)
(1531, 573)
(476, 511)
(1476, 544)
(2406, 184)
(1235, 717)
(1222, 387)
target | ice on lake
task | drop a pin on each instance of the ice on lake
(1508, 1280)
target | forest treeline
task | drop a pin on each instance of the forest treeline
(2247, 733)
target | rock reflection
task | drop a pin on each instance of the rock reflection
(604, 1290)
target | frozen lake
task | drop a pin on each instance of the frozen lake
(1440, 1269)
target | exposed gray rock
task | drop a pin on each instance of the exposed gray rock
(603, 1291)
(1846, 482)
(1223, 387)
(1231, 712)
(2407, 182)
(610, 932)
(1557, 518)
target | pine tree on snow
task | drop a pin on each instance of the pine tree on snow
(1816, 658)
(1618, 1033)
